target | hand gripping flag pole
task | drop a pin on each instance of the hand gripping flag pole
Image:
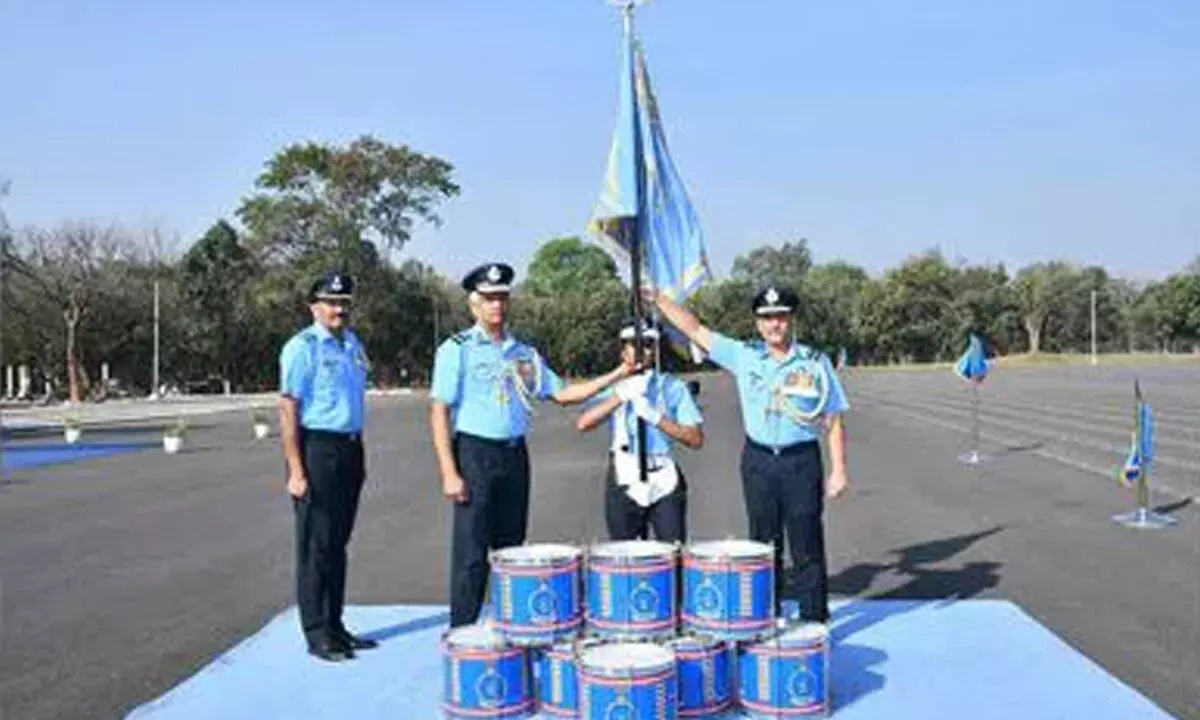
(1136, 471)
(973, 367)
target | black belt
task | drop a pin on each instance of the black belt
(332, 435)
(513, 442)
(794, 448)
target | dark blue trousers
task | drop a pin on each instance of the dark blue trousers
(496, 473)
(784, 495)
(324, 522)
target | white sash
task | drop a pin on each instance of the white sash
(661, 474)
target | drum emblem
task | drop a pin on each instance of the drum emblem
(708, 599)
(541, 604)
(800, 687)
(490, 688)
(620, 709)
(644, 600)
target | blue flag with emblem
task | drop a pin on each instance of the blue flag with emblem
(644, 200)
(1141, 446)
(973, 365)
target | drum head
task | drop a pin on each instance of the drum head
(731, 548)
(633, 549)
(694, 643)
(480, 637)
(804, 634)
(625, 658)
(537, 554)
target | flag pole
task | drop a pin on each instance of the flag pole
(634, 235)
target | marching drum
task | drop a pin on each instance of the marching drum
(483, 676)
(705, 670)
(630, 681)
(786, 675)
(558, 678)
(729, 589)
(536, 593)
(631, 590)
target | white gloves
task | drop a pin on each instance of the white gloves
(632, 387)
(646, 411)
(633, 390)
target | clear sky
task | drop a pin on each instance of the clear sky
(997, 130)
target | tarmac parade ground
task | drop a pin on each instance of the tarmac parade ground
(128, 572)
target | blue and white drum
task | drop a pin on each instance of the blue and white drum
(786, 675)
(704, 667)
(628, 681)
(729, 589)
(483, 676)
(558, 678)
(631, 589)
(537, 594)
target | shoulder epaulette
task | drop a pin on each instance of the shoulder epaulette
(461, 337)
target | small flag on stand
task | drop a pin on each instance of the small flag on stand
(1135, 472)
(644, 201)
(973, 366)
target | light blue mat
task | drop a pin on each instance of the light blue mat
(978, 659)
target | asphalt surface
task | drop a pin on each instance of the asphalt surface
(122, 576)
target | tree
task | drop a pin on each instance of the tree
(1041, 288)
(785, 265)
(215, 279)
(567, 264)
(316, 197)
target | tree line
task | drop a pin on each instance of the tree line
(80, 295)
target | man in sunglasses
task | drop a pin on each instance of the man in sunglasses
(633, 507)
(323, 381)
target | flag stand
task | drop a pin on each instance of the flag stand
(974, 457)
(1142, 516)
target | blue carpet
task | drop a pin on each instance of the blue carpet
(16, 457)
(898, 659)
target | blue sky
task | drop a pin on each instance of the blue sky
(1000, 130)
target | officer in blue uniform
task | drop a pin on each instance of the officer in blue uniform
(485, 382)
(632, 507)
(790, 396)
(323, 378)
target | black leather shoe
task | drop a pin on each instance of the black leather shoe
(355, 643)
(330, 650)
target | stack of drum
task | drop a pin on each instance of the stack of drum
(635, 630)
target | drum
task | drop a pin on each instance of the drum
(786, 675)
(483, 676)
(704, 667)
(631, 590)
(558, 678)
(630, 681)
(729, 589)
(537, 593)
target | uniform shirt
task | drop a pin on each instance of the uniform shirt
(479, 380)
(327, 376)
(667, 393)
(759, 377)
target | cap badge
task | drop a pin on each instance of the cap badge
(772, 296)
(493, 274)
(336, 283)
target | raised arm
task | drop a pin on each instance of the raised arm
(681, 318)
(598, 413)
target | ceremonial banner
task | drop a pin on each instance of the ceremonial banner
(973, 367)
(644, 201)
(1136, 470)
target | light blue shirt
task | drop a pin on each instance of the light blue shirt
(479, 379)
(759, 378)
(667, 393)
(327, 376)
